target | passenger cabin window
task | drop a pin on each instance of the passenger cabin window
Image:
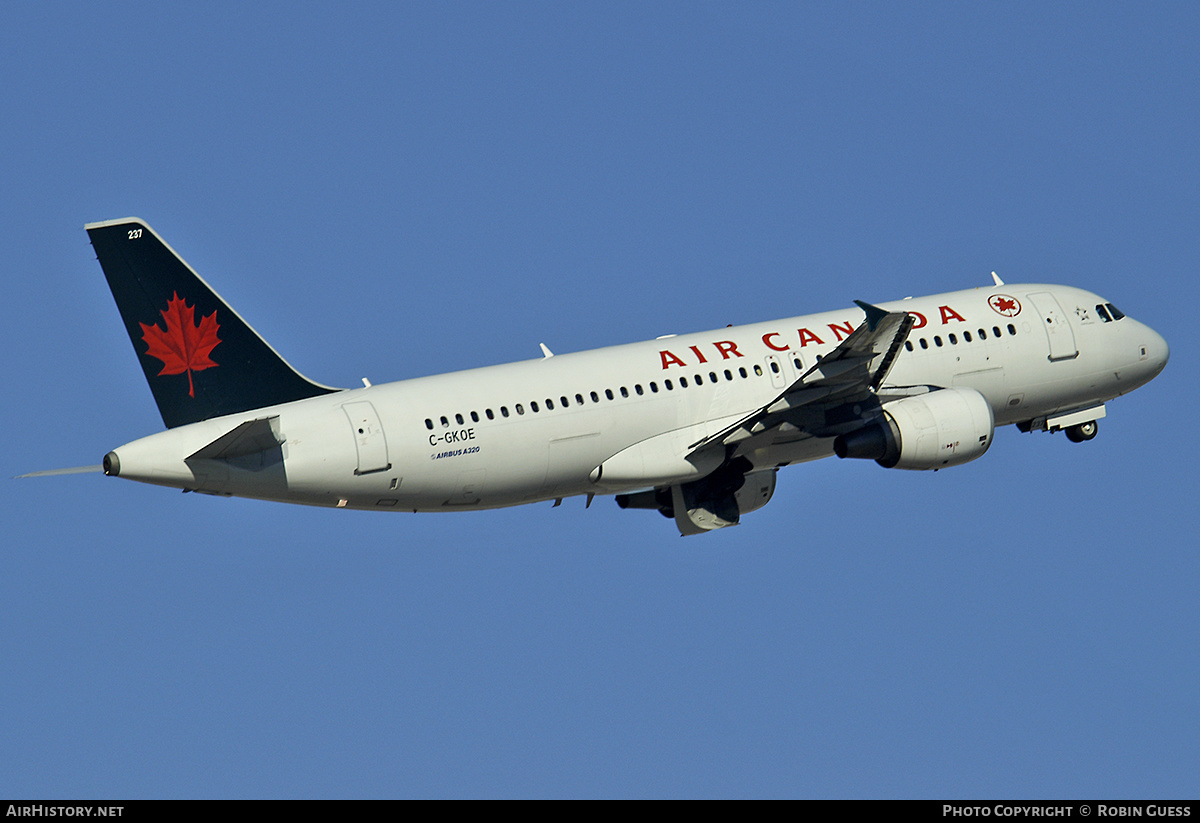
(595, 397)
(489, 414)
(533, 406)
(504, 411)
(428, 423)
(445, 422)
(474, 417)
(520, 409)
(1012, 329)
(458, 418)
(967, 336)
(624, 392)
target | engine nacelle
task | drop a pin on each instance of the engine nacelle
(929, 431)
(720, 499)
(714, 502)
(657, 499)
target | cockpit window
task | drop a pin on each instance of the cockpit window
(1117, 314)
(1103, 312)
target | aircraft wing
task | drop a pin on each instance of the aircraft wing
(851, 372)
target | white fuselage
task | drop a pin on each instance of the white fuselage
(623, 418)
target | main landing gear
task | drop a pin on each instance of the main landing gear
(1082, 431)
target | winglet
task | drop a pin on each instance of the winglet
(545, 351)
(874, 314)
(996, 277)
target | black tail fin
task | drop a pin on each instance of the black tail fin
(200, 358)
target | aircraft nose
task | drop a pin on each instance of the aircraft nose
(1153, 353)
(1159, 352)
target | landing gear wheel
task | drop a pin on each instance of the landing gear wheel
(1084, 431)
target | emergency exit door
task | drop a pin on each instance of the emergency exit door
(1058, 330)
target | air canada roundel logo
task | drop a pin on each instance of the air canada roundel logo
(1005, 305)
(184, 346)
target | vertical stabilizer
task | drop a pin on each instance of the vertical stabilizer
(200, 358)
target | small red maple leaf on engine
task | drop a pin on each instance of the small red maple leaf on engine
(183, 346)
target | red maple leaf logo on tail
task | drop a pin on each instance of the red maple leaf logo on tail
(183, 346)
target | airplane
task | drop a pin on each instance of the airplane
(695, 426)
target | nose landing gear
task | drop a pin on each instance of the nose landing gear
(1082, 431)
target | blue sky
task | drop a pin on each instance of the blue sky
(391, 190)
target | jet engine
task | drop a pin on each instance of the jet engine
(929, 431)
(658, 499)
(713, 502)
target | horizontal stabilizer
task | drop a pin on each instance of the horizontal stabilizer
(251, 437)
